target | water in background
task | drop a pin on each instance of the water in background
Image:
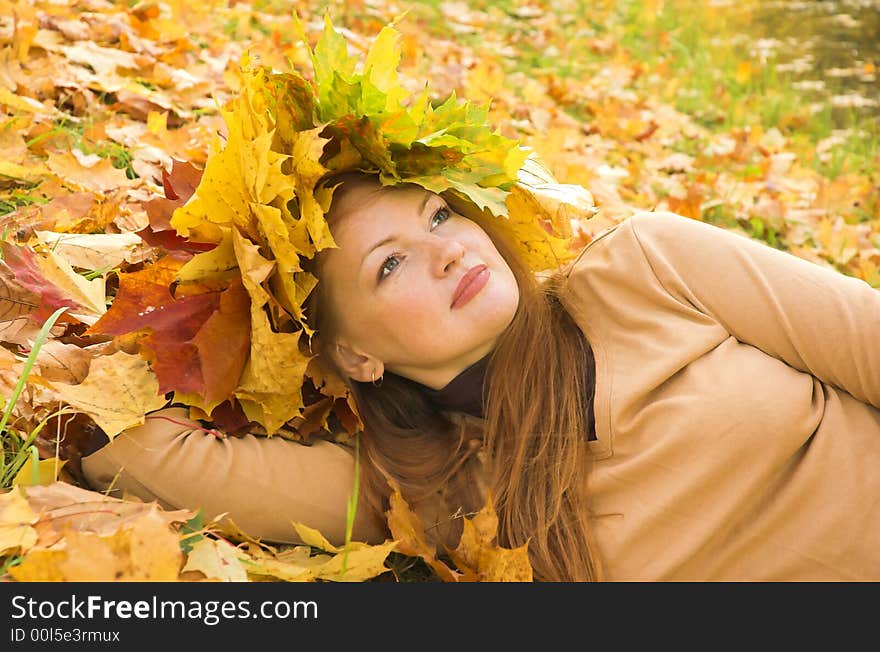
(830, 48)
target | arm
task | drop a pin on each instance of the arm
(263, 483)
(814, 319)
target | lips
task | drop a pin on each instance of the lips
(471, 283)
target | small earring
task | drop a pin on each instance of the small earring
(373, 378)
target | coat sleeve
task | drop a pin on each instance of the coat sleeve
(262, 484)
(814, 319)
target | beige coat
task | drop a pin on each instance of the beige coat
(737, 413)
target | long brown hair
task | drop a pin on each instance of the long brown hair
(538, 414)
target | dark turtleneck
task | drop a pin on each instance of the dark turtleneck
(461, 394)
(464, 392)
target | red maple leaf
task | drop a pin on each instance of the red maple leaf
(179, 186)
(197, 338)
(22, 262)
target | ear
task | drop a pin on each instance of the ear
(356, 364)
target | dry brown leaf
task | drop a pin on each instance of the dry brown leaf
(95, 251)
(71, 212)
(86, 171)
(65, 363)
(103, 60)
(69, 507)
(15, 302)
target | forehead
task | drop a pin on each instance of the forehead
(359, 217)
(367, 208)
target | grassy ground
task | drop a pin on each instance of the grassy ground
(649, 104)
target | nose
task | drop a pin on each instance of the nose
(445, 253)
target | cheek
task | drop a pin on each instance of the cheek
(422, 327)
(503, 301)
(412, 309)
(401, 315)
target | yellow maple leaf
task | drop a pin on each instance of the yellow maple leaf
(119, 390)
(16, 522)
(408, 531)
(286, 291)
(357, 565)
(23, 173)
(380, 67)
(306, 148)
(270, 386)
(294, 565)
(478, 551)
(298, 564)
(144, 550)
(312, 537)
(242, 174)
(90, 295)
(19, 103)
(356, 562)
(217, 560)
(218, 263)
(42, 472)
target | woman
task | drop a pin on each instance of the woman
(679, 403)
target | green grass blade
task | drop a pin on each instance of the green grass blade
(19, 387)
(11, 468)
(352, 505)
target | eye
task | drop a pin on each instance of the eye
(441, 214)
(386, 268)
(391, 262)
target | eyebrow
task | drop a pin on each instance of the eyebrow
(392, 238)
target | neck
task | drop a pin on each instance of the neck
(439, 378)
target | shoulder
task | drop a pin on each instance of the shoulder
(666, 227)
(661, 226)
(624, 264)
(613, 238)
(641, 235)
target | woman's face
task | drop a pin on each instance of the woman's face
(401, 258)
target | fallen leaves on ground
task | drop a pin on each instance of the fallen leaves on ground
(58, 532)
(110, 117)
